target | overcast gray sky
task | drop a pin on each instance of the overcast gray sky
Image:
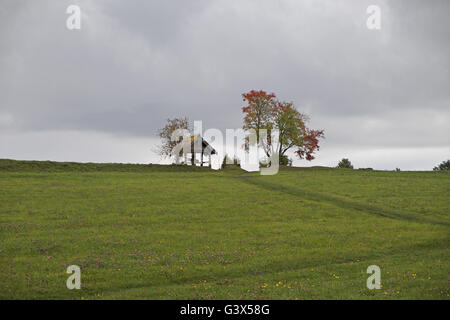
(100, 93)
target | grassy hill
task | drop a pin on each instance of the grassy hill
(178, 232)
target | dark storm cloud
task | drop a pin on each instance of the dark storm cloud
(135, 63)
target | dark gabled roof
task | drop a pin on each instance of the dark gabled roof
(206, 147)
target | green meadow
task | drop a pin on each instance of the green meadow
(179, 232)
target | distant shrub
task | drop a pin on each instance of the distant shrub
(366, 169)
(443, 166)
(345, 163)
(227, 160)
(397, 169)
(285, 161)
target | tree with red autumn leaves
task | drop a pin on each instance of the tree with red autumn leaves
(264, 111)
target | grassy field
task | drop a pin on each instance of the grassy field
(176, 232)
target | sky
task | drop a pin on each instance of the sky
(100, 93)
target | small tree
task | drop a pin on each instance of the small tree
(443, 166)
(264, 111)
(345, 163)
(165, 134)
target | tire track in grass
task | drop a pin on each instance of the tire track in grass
(262, 182)
(274, 267)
